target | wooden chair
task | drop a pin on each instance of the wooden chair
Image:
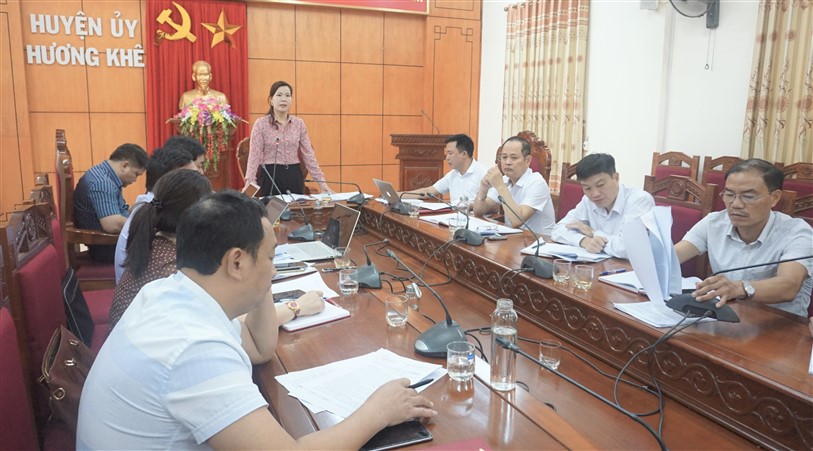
(799, 178)
(540, 154)
(674, 163)
(803, 208)
(690, 202)
(570, 191)
(714, 170)
(93, 275)
(242, 161)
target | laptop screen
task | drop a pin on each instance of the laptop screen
(274, 208)
(388, 192)
(340, 226)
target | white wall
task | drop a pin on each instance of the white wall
(647, 88)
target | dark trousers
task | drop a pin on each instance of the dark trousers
(286, 176)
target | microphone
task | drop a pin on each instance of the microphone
(286, 215)
(688, 305)
(516, 349)
(357, 199)
(431, 121)
(470, 236)
(305, 231)
(541, 268)
(401, 208)
(368, 274)
(432, 343)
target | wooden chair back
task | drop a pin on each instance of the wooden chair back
(674, 163)
(690, 202)
(570, 191)
(798, 171)
(540, 154)
(803, 208)
(242, 156)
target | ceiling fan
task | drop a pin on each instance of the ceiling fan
(699, 8)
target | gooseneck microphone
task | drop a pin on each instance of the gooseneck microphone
(432, 343)
(688, 305)
(357, 199)
(369, 276)
(305, 231)
(286, 215)
(431, 121)
(402, 208)
(541, 268)
(514, 348)
(470, 236)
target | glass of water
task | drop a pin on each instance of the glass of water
(349, 281)
(583, 277)
(414, 210)
(342, 259)
(550, 353)
(396, 310)
(460, 360)
(561, 270)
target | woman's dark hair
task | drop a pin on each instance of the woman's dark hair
(274, 88)
(222, 221)
(174, 192)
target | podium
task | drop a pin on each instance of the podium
(420, 159)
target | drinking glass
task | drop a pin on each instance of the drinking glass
(414, 210)
(460, 360)
(396, 311)
(561, 270)
(342, 259)
(454, 224)
(583, 277)
(349, 281)
(550, 353)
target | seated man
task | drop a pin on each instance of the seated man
(189, 145)
(525, 192)
(97, 200)
(176, 372)
(747, 233)
(464, 178)
(595, 223)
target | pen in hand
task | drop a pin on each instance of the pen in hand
(421, 383)
(614, 271)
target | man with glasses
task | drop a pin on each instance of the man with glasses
(747, 233)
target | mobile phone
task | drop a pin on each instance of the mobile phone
(288, 295)
(251, 189)
(495, 237)
(404, 434)
(290, 266)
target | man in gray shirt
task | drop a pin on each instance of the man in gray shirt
(747, 233)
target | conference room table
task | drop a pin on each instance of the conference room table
(727, 386)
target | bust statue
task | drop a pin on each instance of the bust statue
(202, 76)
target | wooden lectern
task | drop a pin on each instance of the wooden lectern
(421, 159)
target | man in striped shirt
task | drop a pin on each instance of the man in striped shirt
(98, 203)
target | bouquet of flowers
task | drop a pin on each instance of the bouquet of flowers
(210, 122)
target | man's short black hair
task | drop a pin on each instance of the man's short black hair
(163, 161)
(771, 175)
(132, 153)
(595, 164)
(526, 146)
(219, 222)
(192, 146)
(463, 143)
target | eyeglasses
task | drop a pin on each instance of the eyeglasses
(728, 197)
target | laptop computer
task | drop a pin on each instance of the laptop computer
(389, 194)
(274, 208)
(338, 233)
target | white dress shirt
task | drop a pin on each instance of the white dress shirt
(532, 190)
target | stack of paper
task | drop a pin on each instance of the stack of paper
(307, 283)
(339, 197)
(342, 387)
(565, 251)
(476, 224)
(629, 281)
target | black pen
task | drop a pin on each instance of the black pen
(421, 383)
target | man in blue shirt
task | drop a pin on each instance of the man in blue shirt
(98, 203)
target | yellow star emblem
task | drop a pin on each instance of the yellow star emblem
(222, 30)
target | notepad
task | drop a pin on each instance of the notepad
(629, 281)
(328, 315)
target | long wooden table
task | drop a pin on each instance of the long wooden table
(552, 413)
(750, 377)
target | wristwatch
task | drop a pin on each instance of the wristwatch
(749, 289)
(294, 306)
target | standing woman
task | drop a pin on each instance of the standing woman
(276, 141)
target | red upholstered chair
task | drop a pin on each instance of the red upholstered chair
(17, 427)
(714, 170)
(690, 202)
(93, 275)
(674, 163)
(570, 191)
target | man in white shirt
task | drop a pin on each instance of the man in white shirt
(524, 192)
(595, 223)
(464, 178)
(176, 372)
(748, 233)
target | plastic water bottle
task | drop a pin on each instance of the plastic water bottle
(413, 295)
(462, 208)
(503, 361)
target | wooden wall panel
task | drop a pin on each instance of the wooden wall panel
(362, 88)
(110, 130)
(317, 88)
(457, 9)
(363, 175)
(318, 34)
(404, 39)
(362, 37)
(325, 132)
(43, 143)
(262, 74)
(390, 173)
(271, 31)
(361, 140)
(398, 125)
(402, 90)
